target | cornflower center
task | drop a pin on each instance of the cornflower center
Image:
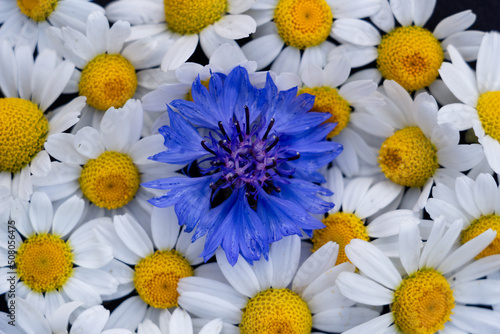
(37, 10)
(488, 107)
(110, 181)
(23, 130)
(411, 56)
(156, 278)
(44, 262)
(187, 17)
(303, 23)
(408, 157)
(479, 226)
(341, 228)
(329, 100)
(108, 80)
(276, 311)
(423, 303)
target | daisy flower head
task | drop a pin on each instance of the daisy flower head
(415, 150)
(105, 166)
(27, 22)
(294, 33)
(259, 155)
(411, 54)
(211, 22)
(479, 93)
(276, 295)
(435, 290)
(179, 322)
(53, 262)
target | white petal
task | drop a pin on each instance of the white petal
(211, 40)
(371, 124)
(336, 71)
(465, 196)
(356, 55)
(241, 276)
(477, 269)
(377, 325)
(128, 314)
(67, 215)
(91, 320)
(488, 69)
(460, 157)
(384, 19)
(80, 291)
(459, 83)
(181, 322)
(208, 286)
(403, 11)
(323, 293)
(422, 10)
(179, 52)
(409, 247)
(355, 31)
(92, 255)
(164, 227)
(455, 23)
(88, 142)
(363, 290)
(67, 115)
(491, 149)
(59, 321)
(60, 146)
(40, 212)
(117, 35)
(388, 223)
(354, 192)
(240, 6)
(287, 61)
(458, 114)
(121, 128)
(441, 250)
(78, 44)
(285, 254)
(437, 207)
(235, 26)
(341, 319)
(378, 196)
(133, 235)
(263, 50)
(475, 319)
(483, 292)
(485, 191)
(8, 79)
(31, 319)
(312, 76)
(208, 306)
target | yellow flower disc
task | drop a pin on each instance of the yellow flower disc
(341, 228)
(188, 17)
(479, 226)
(408, 157)
(110, 181)
(411, 56)
(276, 311)
(156, 278)
(328, 100)
(23, 130)
(44, 262)
(423, 303)
(108, 80)
(303, 23)
(37, 10)
(488, 107)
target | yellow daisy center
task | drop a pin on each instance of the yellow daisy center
(187, 17)
(156, 278)
(411, 56)
(341, 228)
(423, 303)
(37, 10)
(488, 109)
(303, 23)
(110, 181)
(23, 130)
(408, 157)
(108, 80)
(44, 262)
(479, 226)
(276, 311)
(328, 100)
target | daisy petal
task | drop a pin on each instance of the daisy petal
(422, 10)
(455, 23)
(485, 191)
(235, 26)
(483, 292)
(240, 276)
(363, 290)
(488, 69)
(475, 319)
(377, 325)
(458, 114)
(403, 11)
(336, 71)
(88, 142)
(409, 246)
(285, 254)
(341, 319)
(491, 149)
(40, 212)
(477, 269)
(133, 235)
(355, 31)
(179, 52)
(67, 215)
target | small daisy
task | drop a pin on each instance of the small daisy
(416, 150)
(260, 299)
(410, 54)
(54, 264)
(212, 23)
(105, 166)
(27, 21)
(480, 96)
(432, 294)
(30, 87)
(179, 322)
(108, 71)
(302, 27)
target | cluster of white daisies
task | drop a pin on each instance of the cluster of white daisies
(411, 245)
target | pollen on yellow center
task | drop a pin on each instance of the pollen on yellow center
(408, 157)
(276, 311)
(44, 262)
(479, 226)
(423, 303)
(110, 181)
(23, 130)
(303, 23)
(108, 80)
(488, 109)
(341, 228)
(328, 100)
(411, 56)
(37, 10)
(187, 17)
(156, 278)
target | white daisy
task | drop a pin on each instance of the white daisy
(258, 299)
(414, 149)
(179, 322)
(54, 264)
(302, 27)
(184, 23)
(30, 87)
(26, 21)
(410, 54)
(438, 282)
(480, 96)
(106, 166)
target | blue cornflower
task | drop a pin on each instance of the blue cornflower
(257, 160)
